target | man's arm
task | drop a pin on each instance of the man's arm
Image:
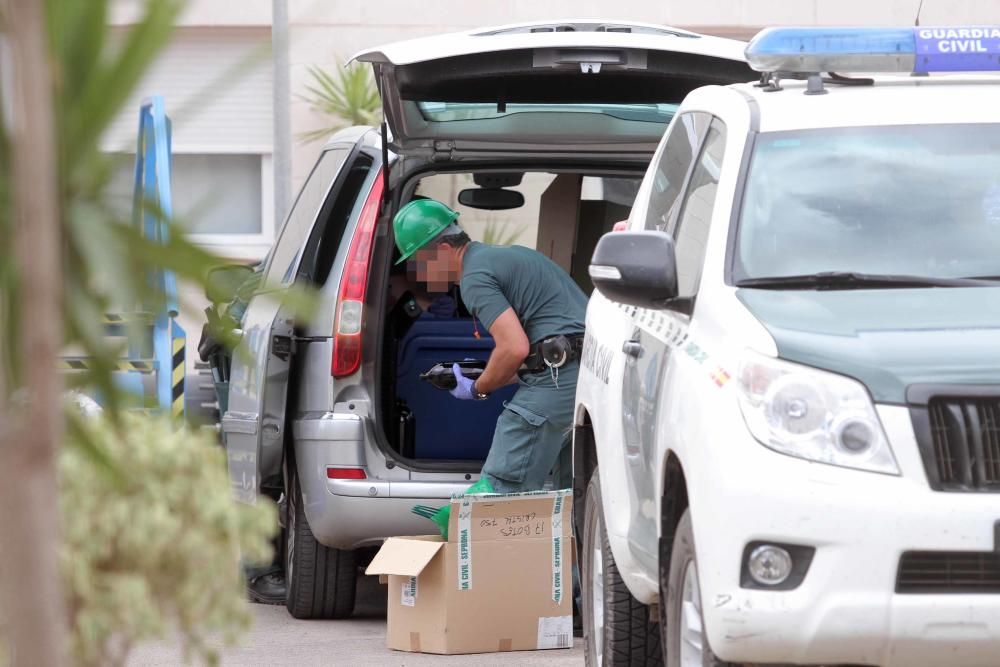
(512, 348)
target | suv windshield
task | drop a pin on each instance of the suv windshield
(917, 201)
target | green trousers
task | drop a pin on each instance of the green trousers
(534, 433)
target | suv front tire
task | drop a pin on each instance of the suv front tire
(618, 629)
(683, 626)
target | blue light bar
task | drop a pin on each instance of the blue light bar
(918, 49)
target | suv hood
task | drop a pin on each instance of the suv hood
(887, 339)
(557, 86)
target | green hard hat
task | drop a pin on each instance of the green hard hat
(418, 223)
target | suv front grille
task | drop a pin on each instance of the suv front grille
(948, 572)
(959, 441)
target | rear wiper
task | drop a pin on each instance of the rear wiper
(849, 280)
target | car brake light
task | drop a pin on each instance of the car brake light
(353, 286)
(345, 473)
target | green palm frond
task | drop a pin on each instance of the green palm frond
(345, 99)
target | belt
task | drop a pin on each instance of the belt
(553, 352)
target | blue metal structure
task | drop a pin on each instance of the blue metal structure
(152, 208)
(153, 370)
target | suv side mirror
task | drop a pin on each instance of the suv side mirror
(635, 268)
(224, 281)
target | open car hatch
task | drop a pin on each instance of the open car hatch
(562, 86)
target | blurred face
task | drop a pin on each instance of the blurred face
(436, 266)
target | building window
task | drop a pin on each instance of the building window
(218, 194)
(217, 197)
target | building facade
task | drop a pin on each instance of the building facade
(217, 77)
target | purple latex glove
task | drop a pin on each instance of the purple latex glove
(463, 389)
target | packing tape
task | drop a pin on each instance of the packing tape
(557, 548)
(505, 645)
(415, 642)
(465, 544)
(493, 497)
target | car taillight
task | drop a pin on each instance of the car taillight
(345, 473)
(353, 285)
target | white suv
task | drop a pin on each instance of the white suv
(788, 423)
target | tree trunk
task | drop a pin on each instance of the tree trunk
(32, 434)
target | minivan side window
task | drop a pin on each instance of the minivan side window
(285, 256)
(673, 167)
(691, 231)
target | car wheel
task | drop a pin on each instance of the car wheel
(321, 581)
(618, 629)
(201, 404)
(680, 618)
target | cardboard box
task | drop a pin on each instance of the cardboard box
(502, 582)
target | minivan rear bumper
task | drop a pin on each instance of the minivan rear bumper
(352, 513)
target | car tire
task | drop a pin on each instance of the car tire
(685, 646)
(321, 581)
(618, 629)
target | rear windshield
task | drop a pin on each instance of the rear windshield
(449, 111)
(916, 200)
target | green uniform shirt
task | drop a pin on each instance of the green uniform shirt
(543, 296)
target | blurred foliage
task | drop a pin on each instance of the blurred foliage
(349, 98)
(152, 536)
(107, 262)
(158, 553)
(501, 233)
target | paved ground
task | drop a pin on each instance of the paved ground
(278, 639)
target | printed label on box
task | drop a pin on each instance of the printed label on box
(465, 545)
(555, 632)
(557, 550)
(409, 598)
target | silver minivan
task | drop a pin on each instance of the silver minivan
(539, 135)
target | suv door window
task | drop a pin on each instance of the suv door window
(672, 169)
(285, 256)
(691, 230)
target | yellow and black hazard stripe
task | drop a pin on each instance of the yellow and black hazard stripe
(177, 406)
(138, 366)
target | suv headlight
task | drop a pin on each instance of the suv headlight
(812, 414)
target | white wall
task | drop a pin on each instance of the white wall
(210, 13)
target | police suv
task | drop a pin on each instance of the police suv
(788, 422)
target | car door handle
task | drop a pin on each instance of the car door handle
(632, 348)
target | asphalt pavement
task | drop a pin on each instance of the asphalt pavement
(277, 639)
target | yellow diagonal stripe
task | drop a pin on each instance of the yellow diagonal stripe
(178, 377)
